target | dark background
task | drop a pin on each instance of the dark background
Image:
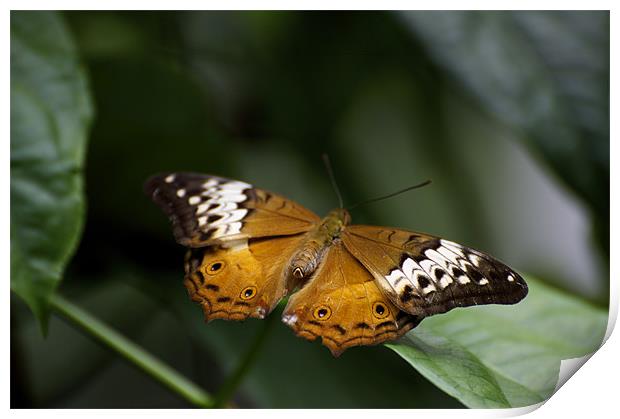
(506, 112)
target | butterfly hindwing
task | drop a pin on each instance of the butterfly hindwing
(425, 275)
(244, 279)
(208, 210)
(342, 304)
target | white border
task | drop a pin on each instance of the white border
(592, 391)
(315, 5)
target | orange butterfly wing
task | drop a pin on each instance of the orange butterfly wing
(246, 280)
(343, 305)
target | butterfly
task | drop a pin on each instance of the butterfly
(349, 284)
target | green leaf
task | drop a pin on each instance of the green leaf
(50, 115)
(504, 356)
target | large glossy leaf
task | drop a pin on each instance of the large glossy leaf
(546, 73)
(504, 356)
(50, 115)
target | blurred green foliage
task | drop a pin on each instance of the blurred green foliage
(394, 98)
(547, 75)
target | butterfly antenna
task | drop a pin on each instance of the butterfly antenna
(419, 185)
(330, 172)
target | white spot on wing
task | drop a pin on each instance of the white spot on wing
(202, 221)
(394, 276)
(181, 193)
(169, 178)
(427, 265)
(511, 278)
(261, 312)
(408, 267)
(235, 184)
(216, 198)
(202, 208)
(446, 253)
(209, 192)
(445, 281)
(437, 257)
(475, 259)
(224, 193)
(456, 248)
(230, 217)
(483, 281)
(234, 228)
(463, 280)
(399, 280)
(428, 289)
(209, 183)
(221, 207)
(194, 200)
(290, 319)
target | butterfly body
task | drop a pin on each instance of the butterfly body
(318, 240)
(348, 284)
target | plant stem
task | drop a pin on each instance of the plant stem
(230, 386)
(132, 352)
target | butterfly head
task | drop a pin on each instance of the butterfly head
(336, 220)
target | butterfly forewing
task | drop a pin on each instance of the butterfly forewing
(425, 275)
(206, 210)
